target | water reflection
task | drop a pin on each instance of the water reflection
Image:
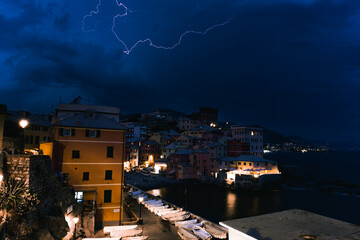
(230, 206)
(218, 204)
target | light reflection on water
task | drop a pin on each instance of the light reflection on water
(230, 204)
(218, 204)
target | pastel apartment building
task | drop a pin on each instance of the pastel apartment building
(88, 151)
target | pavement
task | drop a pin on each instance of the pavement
(153, 226)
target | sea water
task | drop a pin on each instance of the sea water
(218, 203)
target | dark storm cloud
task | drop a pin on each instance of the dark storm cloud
(288, 65)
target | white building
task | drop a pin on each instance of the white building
(251, 135)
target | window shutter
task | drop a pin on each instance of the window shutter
(86, 133)
(73, 132)
(97, 133)
(61, 131)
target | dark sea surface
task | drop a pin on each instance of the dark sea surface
(316, 171)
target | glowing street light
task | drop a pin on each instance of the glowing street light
(23, 123)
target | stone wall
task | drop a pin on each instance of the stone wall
(47, 219)
(18, 168)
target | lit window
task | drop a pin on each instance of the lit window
(79, 196)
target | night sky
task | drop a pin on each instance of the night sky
(289, 65)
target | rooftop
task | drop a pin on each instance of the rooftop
(294, 224)
(81, 120)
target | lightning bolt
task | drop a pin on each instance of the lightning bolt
(128, 49)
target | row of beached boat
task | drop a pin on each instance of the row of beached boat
(188, 229)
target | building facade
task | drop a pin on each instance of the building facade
(88, 152)
(251, 135)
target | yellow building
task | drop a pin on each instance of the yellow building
(88, 152)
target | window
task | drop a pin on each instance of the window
(244, 163)
(108, 175)
(110, 152)
(31, 139)
(92, 133)
(37, 139)
(79, 196)
(67, 132)
(85, 176)
(107, 196)
(75, 154)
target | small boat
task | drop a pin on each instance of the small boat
(154, 206)
(135, 238)
(216, 232)
(201, 233)
(170, 215)
(178, 224)
(190, 226)
(186, 234)
(166, 212)
(109, 229)
(126, 233)
(153, 209)
(135, 193)
(151, 201)
(179, 218)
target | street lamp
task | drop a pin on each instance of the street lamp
(76, 220)
(23, 123)
(141, 199)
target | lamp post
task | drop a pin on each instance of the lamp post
(23, 124)
(76, 220)
(141, 199)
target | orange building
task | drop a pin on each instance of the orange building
(88, 151)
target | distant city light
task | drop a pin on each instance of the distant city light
(23, 123)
